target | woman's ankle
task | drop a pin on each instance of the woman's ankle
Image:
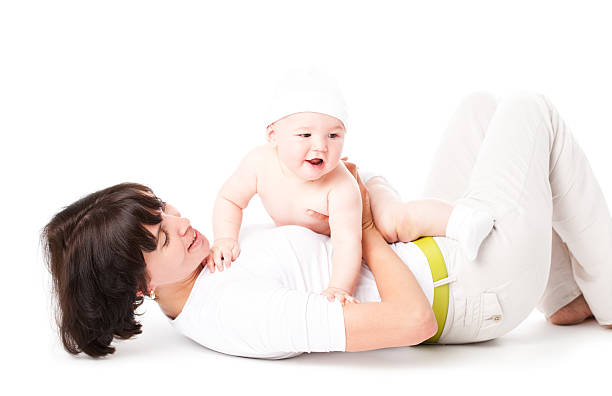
(573, 313)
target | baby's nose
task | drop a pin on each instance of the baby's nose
(319, 145)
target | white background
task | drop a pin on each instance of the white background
(171, 94)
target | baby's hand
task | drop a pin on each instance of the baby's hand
(342, 295)
(223, 251)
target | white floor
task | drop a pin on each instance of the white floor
(535, 356)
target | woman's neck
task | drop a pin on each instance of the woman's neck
(172, 297)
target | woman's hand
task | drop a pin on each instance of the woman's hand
(367, 220)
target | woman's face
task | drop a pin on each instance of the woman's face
(180, 249)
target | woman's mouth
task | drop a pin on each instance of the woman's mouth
(317, 163)
(196, 242)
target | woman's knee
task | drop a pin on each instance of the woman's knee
(526, 105)
(479, 101)
(475, 112)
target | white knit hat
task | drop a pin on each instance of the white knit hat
(307, 91)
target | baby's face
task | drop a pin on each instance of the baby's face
(308, 144)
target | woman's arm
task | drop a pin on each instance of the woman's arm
(404, 315)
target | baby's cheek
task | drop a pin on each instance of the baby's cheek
(334, 158)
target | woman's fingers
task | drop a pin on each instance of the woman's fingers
(207, 262)
(351, 168)
(316, 214)
(327, 293)
(365, 199)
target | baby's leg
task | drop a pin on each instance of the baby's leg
(386, 206)
(448, 178)
(405, 221)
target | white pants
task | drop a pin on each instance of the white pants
(552, 239)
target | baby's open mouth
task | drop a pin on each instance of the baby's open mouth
(315, 161)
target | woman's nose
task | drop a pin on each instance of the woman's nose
(182, 224)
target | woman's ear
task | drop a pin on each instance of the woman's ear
(271, 135)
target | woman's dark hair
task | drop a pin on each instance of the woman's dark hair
(93, 249)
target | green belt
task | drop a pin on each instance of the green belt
(438, 272)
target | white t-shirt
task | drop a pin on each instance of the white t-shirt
(267, 305)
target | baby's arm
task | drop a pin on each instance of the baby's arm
(344, 205)
(233, 197)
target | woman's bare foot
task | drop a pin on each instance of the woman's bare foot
(573, 313)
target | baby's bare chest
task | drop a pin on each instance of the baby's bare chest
(288, 203)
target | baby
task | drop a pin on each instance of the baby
(299, 173)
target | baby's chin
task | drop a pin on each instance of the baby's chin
(310, 172)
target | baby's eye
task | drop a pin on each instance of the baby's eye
(305, 135)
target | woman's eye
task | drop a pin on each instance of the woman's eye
(333, 135)
(305, 135)
(167, 239)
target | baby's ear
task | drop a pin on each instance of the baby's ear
(271, 134)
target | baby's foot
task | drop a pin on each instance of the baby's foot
(573, 313)
(334, 293)
(469, 227)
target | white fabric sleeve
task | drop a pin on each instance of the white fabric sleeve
(270, 321)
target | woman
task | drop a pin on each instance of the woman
(529, 175)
